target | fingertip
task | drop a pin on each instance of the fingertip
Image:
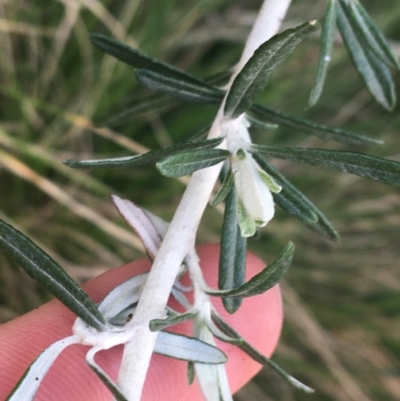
(258, 320)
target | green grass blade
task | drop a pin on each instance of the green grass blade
(372, 34)
(253, 78)
(47, 272)
(155, 101)
(232, 258)
(188, 162)
(310, 128)
(264, 280)
(180, 89)
(375, 168)
(373, 71)
(327, 39)
(296, 204)
(147, 159)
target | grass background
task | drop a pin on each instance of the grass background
(59, 98)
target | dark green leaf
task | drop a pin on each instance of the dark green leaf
(261, 125)
(290, 198)
(114, 390)
(188, 162)
(139, 60)
(232, 258)
(257, 356)
(47, 272)
(327, 39)
(264, 280)
(185, 90)
(374, 72)
(371, 33)
(153, 102)
(191, 374)
(147, 159)
(295, 203)
(226, 186)
(375, 168)
(200, 134)
(253, 78)
(186, 348)
(311, 128)
(159, 324)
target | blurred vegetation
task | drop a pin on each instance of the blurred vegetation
(342, 300)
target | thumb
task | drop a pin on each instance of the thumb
(258, 320)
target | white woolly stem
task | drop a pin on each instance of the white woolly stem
(181, 234)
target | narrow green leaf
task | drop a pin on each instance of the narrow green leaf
(159, 324)
(259, 124)
(371, 33)
(147, 159)
(185, 90)
(47, 272)
(310, 128)
(253, 78)
(139, 60)
(295, 203)
(232, 258)
(375, 168)
(191, 374)
(186, 348)
(223, 192)
(327, 39)
(200, 134)
(374, 72)
(290, 198)
(264, 280)
(137, 107)
(257, 356)
(217, 333)
(107, 381)
(188, 162)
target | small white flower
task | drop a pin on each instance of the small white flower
(255, 204)
(254, 186)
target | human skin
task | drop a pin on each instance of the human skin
(258, 320)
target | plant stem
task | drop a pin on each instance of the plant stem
(180, 238)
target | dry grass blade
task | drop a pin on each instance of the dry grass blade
(22, 170)
(318, 340)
